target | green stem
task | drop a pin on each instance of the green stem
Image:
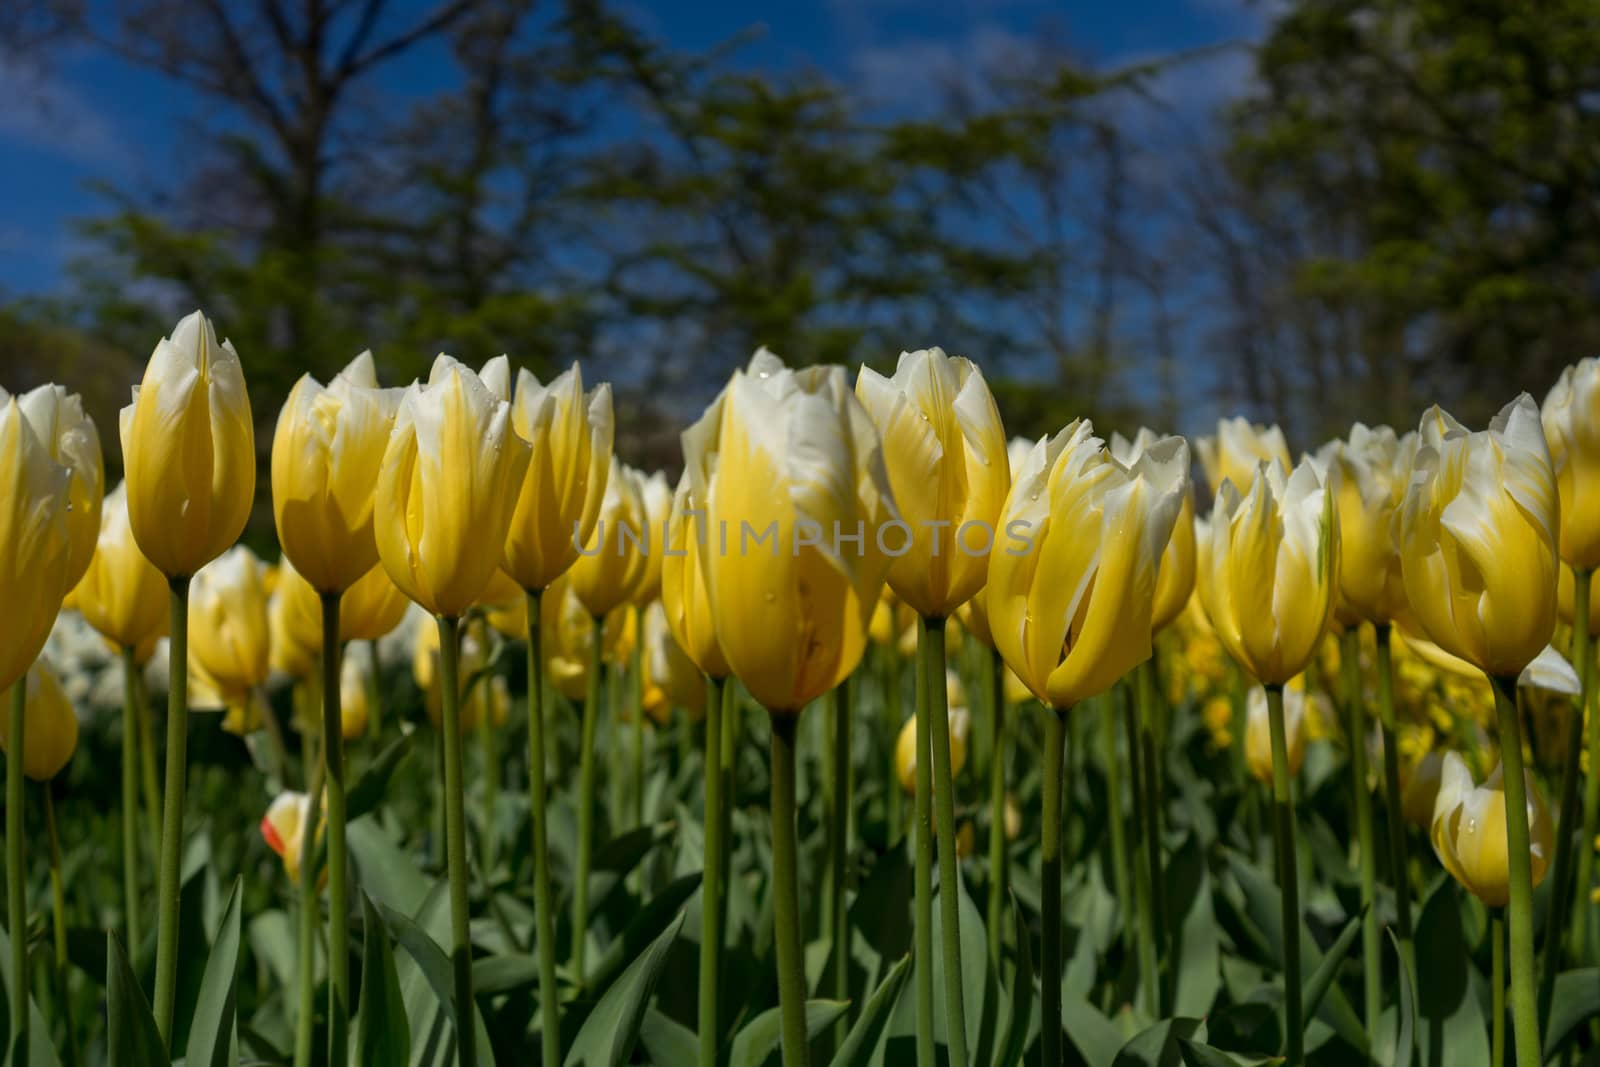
(1055, 738)
(711, 890)
(147, 763)
(889, 670)
(1591, 801)
(1119, 845)
(1497, 986)
(786, 894)
(930, 650)
(130, 802)
(455, 832)
(482, 700)
(997, 805)
(636, 713)
(58, 916)
(338, 865)
(1149, 972)
(922, 956)
(16, 872)
(306, 972)
(1150, 761)
(1355, 708)
(839, 853)
(374, 695)
(1567, 810)
(729, 757)
(580, 891)
(1524, 1004)
(1391, 789)
(543, 908)
(172, 839)
(1288, 879)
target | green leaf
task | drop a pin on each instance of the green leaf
(427, 984)
(1405, 1035)
(978, 984)
(1452, 1026)
(1571, 1005)
(862, 1040)
(645, 927)
(666, 1040)
(511, 973)
(1197, 952)
(213, 1036)
(132, 1036)
(1322, 977)
(1158, 1046)
(1094, 1036)
(1198, 1055)
(367, 793)
(1022, 991)
(385, 872)
(41, 1053)
(383, 1034)
(758, 1041)
(612, 1028)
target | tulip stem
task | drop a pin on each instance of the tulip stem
(997, 805)
(306, 869)
(1584, 661)
(1355, 708)
(1118, 831)
(482, 699)
(636, 712)
(147, 763)
(130, 801)
(731, 708)
(543, 913)
(1497, 986)
(58, 917)
(1524, 1005)
(711, 887)
(923, 895)
(786, 894)
(591, 708)
(930, 650)
(1150, 764)
(1391, 790)
(1567, 810)
(889, 672)
(16, 873)
(1144, 901)
(455, 833)
(1288, 880)
(338, 893)
(1055, 739)
(172, 840)
(839, 853)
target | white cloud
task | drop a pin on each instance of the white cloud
(918, 72)
(44, 112)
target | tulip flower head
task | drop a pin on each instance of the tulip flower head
(656, 494)
(945, 452)
(1374, 466)
(50, 730)
(121, 594)
(1478, 538)
(34, 553)
(354, 701)
(1071, 610)
(1269, 569)
(671, 678)
(685, 600)
(1175, 577)
(283, 829)
(230, 635)
(58, 418)
(1469, 831)
(616, 559)
(905, 748)
(189, 451)
(1420, 789)
(1258, 731)
(1238, 449)
(1571, 420)
(447, 488)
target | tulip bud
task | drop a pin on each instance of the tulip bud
(1373, 467)
(1478, 539)
(786, 461)
(121, 594)
(1469, 831)
(616, 559)
(558, 504)
(1269, 569)
(684, 596)
(945, 453)
(1571, 420)
(50, 726)
(189, 450)
(1258, 732)
(1420, 790)
(326, 454)
(1070, 606)
(283, 829)
(229, 635)
(1175, 576)
(447, 489)
(69, 435)
(34, 553)
(905, 749)
(354, 702)
(1012, 818)
(1238, 450)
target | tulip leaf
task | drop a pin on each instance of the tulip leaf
(213, 1036)
(427, 983)
(384, 871)
(1196, 1054)
(666, 1040)
(757, 1043)
(1196, 951)
(1095, 1037)
(1022, 993)
(1571, 1006)
(612, 1028)
(382, 1030)
(1158, 1045)
(367, 792)
(133, 1039)
(507, 973)
(645, 928)
(1452, 1027)
(862, 1041)
(1316, 986)
(977, 981)
(41, 1053)
(1405, 1033)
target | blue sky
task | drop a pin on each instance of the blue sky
(82, 118)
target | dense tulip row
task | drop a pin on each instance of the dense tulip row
(814, 517)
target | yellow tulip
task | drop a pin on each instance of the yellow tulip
(34, 495)
(326, 454)
(425, 671)
(1072, 589)
(905, 748)
(447, 488)
(974, 616)
(1269, 569)
(1258, 736)
(294, 627)
(122, 595)
(565, 630)
(1420, 790)
(189, 450)
(616, 558)
(355, 709)
(671, 678)
(371, 608)
(70, 436)
(785, 460)
(1469, 831)
(1175, 576)
(50, 726)
(684, 596)
(559, 502)
(1012, 818)
(229, 633)
(1571, 420)
(882, 628)
(1373, 467)
(945, 452)
(1478, 539)
(1238, 449)
(283, 829)
(656, 493)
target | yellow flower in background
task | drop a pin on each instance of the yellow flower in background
(425, 671)
(905, 748)
(189, 450)
(1478, 538)
(283, 829)
(1070, 611)
(1176, 575)
(72, 440)
(1012, 818)
(685, 599)
(1217, 714)
(1238, 450)
(570, 432)
(355, 707)
(1469, 831)
(50, 726)
(1269, 569)
(789, 456)
(34, 554)
(326, 454)
(447, 488)
(1566, 591)
(671, 679)
(371, 608)
(1419, 789)
(615, 560)
(294, 628)
(1571, 421)
(974, 618)
(945, 452)
(656, 493)
(883, 628)
(1373, 467)
(1258, 730)
(566, 631)
(229, 633)
(121, 594)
